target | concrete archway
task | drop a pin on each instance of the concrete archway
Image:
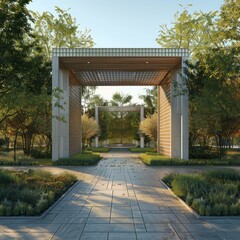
(73, 68)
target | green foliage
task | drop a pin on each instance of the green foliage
(150, 100)
(122, 125)
(141, 150)
(6, 178)
(169, 178)
(2, 142)
(38, 154)
(222, 175)
(211, 193)
(149, 127)
(90, 128)
(99, 149)
(212, 73)
(152, 159)
(30, 193)
(60, 30)
(81, 159)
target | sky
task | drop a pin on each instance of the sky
(124, 24)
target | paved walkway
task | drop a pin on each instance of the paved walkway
(120, 199)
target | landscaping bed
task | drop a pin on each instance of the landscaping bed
(99, 149)
(31, 192)
(141, 150)
(211, 193)
(81, 159)
(153, 159)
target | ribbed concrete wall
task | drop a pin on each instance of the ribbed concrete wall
(74, 119)
(165, 117)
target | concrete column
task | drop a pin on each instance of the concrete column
(60, 128)
(175, 117)
(64, 113)
(158, 122)
(184, 117)
(96, 119)
(141, 119)
(55, 110)
(80, 99)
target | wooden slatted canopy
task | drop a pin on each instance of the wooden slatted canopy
(118, 67)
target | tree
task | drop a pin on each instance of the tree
(119, 125)
(103, 117)
(213, 71)
(192, 31)
(90, 129)
(149, 127)
(14, 51)
(60, 31)
(150, 100)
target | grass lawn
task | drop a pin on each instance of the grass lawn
(80, 159)
(211, 193)
(31, 192)
(153, 159)
(141, 150)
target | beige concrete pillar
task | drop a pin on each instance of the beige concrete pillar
(60, 128)
(184, 117)
(96, 119)
(175, 116)
(141, 119)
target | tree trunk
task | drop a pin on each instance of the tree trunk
(14, 147)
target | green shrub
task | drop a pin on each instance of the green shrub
(219, 209)
(202, 153)
(6, 177)
(2, 142)
(38, 154)
(169, 178)
(208, 211)
(29, 196)
(33, 192)
(141, 150)
(41, 205)
(189, 199)
(2, 210)
(159, 160)
(192, 184)
(207, 193)
(99, 149)
(81, 159)
(226, 174)
(29, 210)
(39, 173)
(22, 207)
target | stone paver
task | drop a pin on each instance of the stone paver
(118, 199)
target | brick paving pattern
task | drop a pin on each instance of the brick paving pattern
(120, 199)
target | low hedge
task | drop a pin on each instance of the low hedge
(152, 159)
(26, 162)
(141, 150)
(31, 192)
(99, 149)
(211, 193)
(81, 159)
